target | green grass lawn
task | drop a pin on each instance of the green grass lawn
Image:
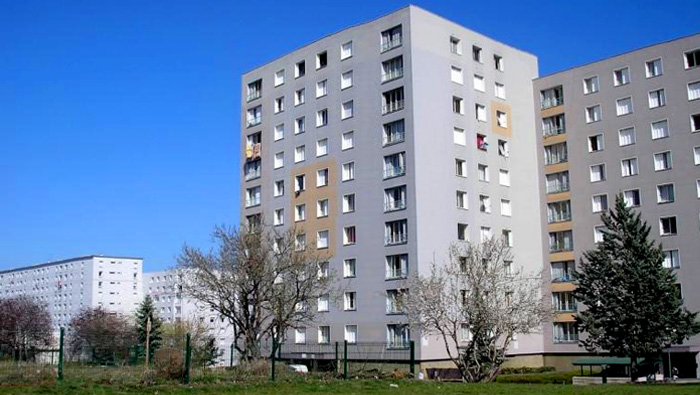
(346, 387)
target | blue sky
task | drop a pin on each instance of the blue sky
(119, 119)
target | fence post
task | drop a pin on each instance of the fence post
(188, 358)
(345, 359)
(231, 363)
(60, 354)
(337, 360)
(413, 358)
(272, 368)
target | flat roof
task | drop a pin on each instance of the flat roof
(52, 263)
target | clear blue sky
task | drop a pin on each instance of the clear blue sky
(119, 119)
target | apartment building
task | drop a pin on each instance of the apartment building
(627, 124)
(67, 286)
(165, 289)
(387, 142)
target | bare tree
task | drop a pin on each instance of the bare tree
(263, 281)
(25, 326)
(101, 336)
(204, 352)
(476, 302)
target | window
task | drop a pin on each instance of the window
(590, 85)
(565, 332)
(629, 167)
(507, 236)
(555, 153)
(300, 97)
(252, 197)
(672, 259)
(557, 182)
(349, 299)
(395, 232)
(349, 268)
(662, 161)
(346, 80)
(595, 143)
(456, 75)
(460, 137)
(659, 130)
(300, 154)
(485, 233)
(346, 50)
(324, 333)
(395, 198)
(462, 201)
(696, 155)
(393, 132)
(300, 212)
(348, 141)
(476, 53)
(631, 198)
(321, 88)
(697, 187)
(348, 172)
(621, 76)
(695, 123)
(300, 125)
(349, 203)
(254, 90)
(322, 178)
(498, 62)
(278, 188)
(392, 101)
(279, 132)
(322, 239)
(346, 110)
(395, 165)
(598, 234)
(506, 209)
(499, 90)
(300, 183)
(559, 211)
(300, 335)
(321, 60)
(455, 45)
(300, 69)
(667, 226)
(598, 173)
(665, 193)
(654, 68)
(551, 97)
(457, 105)
(462, 232)
(254, 116)
(393, 302)
(322, 147)
(278, 217)
(562, 271)
(552, 126)
(485, 204)
(480, 112)
(322, 118)
(479, 83)
(657, 98)
(501, 119)
(624, 106)
(593, 114)
(504, 177)
(391, 38)
(396, 266)
(351, 334)
(392, 69)
(322, 208)
(349, 235)
(563, 301)
(694, 90)
(397, 336)
(627, 136)
(692, 59)
(279, 77)
(461, 167)
(252, 169)
(600, 203)
(483, 172)
(561, 241)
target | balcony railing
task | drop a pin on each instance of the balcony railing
(254, 121)
(552, 102)
(394, 171)
(391, 42)
(253, 152)
(396, 274)
(253, 174)
(555, 159)
(252, 202)
(253, 95)
(560, 187)
(398, 238)
(558, 218)
(394, 137)
(566, 339)
(560, 247)
(548, 132)
(566, 309)
(392, 106)
(394, 205)
(564, 278)
(392, 74)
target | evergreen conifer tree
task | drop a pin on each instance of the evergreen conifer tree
(146, 310)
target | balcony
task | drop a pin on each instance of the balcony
(253, 152)
(395, 238)
(549, 132)
(391, 42)
(394, 171)
(253, 95)
(563, 308)
(563, 278)
(552, 102)
(560, 217)
(253, 174)
(394, 137)
(253, 121)
(392, 106)
(394, 205)
(573, 338)
(558, 188)
(252, 202)
(392, 74)
(561, 247)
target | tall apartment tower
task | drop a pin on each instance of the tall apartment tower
(69, 285)
(628, 124)
(387, 142)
